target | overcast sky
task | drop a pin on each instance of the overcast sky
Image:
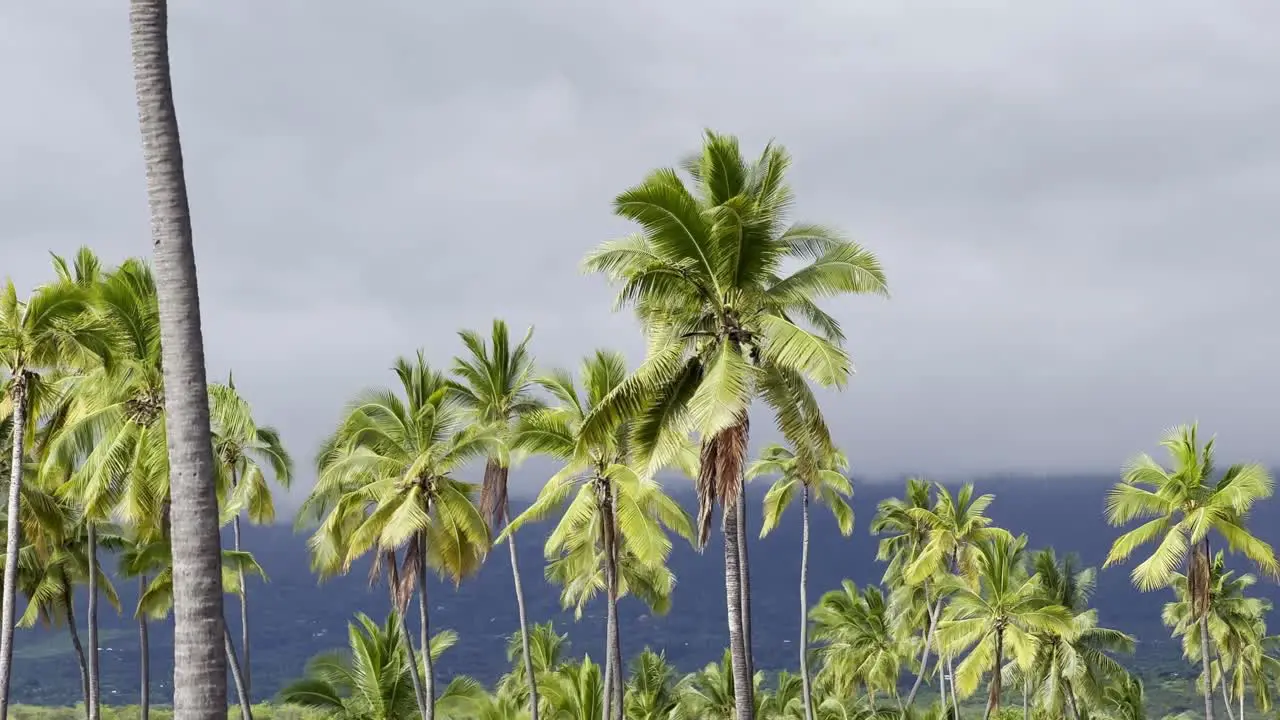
(1076, 201)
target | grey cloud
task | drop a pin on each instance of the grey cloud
(1074, 200)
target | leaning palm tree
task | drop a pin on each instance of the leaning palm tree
(616, 517)
(1181, 506)
(200, 676)
(495, 381)
(1001, 616)
(397, 452)
(822, 478)
(246, 452)
(49, 332)
(725, 324)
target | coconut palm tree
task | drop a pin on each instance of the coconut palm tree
(574, 692)
(495, 381)
(548, 649)
(200, 677)
(1180, 507)
(726, 324)
(610, 512)
(709, 693)
(822, 478)
(396, 452)
(904, 532)
(1001, 616)
(858, 645)
(651, 691)
(245, 452)
(1072, 670)
(49, 332)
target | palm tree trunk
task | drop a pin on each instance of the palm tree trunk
(1072, 706)
(1026, 698)
(69, 607)
(524, 622)
(1205, 646)
(428, 665)
(613, 662)
(246, 668)
(94, 706)
(804, 606)
(1226, 699)
(393, 584)
(744, 567)
(993, 700)
(620, 673)
(934, 609)
(13, 538)
(200, 663)
(942, 684)
(144, 644)
(951, 678)
(242, 696)
(742, 679)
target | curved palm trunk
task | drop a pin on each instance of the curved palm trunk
(246, 668)
(13, 537)
(246, 707)
(1072, 706)
(993, 700)
(144, 643)
(200, 663)
(951, 679)
(393, 585)
(69, 607)
(1226, 698)
(804, 606)
(615, 648)
(742, 680)
(524, 622)
(930, 633)
(942, 684)
(94, 703)
(744, 567)
(428, 665)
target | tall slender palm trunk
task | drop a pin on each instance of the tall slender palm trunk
(613, 670)
(94, 706)
(930, 633)
(951, 680)
(742, 679)
(615, 648)
(246, 668)
(1200, 605)
(69, 607)
(428, 664)
(524, 621)
(13, 536)
(242, 695)
(1026, 699)
(1072, 706)
(144, 644)
(804, 605)
(993, 700)
(744, 568)
(200, 664)
(393, 585)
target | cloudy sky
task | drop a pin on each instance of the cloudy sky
(1075, 200)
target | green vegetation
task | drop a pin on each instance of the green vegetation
(967, 618)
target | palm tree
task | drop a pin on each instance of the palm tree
(547, 648)
(651, 691)
(397, 453)
(1000, 616)
(1074, 669)
(821, 477)
(858, 644)
(49, 332)
(200, 677)
(1181, 506)
(495, 382)
(904, 532)
(615, 514)
(574, 692)
(143, 557)
(245, 451)
(709, 693)
(706, 277)
(370, 681)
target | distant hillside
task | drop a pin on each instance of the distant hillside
(293, 618)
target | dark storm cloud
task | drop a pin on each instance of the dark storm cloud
(1075, 200)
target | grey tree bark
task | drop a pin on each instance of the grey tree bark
(428, 665)
(393, 584)
(200, 663)
(69, 607)
(13, 536)
(951, 679)
(1204, 650)
(615, 648)
(993, 699)
(242, 697)
(144, 643)
(246, 667)
(524, 621)
(744, 567)
(94, 705)
(612, 670)
(804, 606)
(743, 687)
(930, 634)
